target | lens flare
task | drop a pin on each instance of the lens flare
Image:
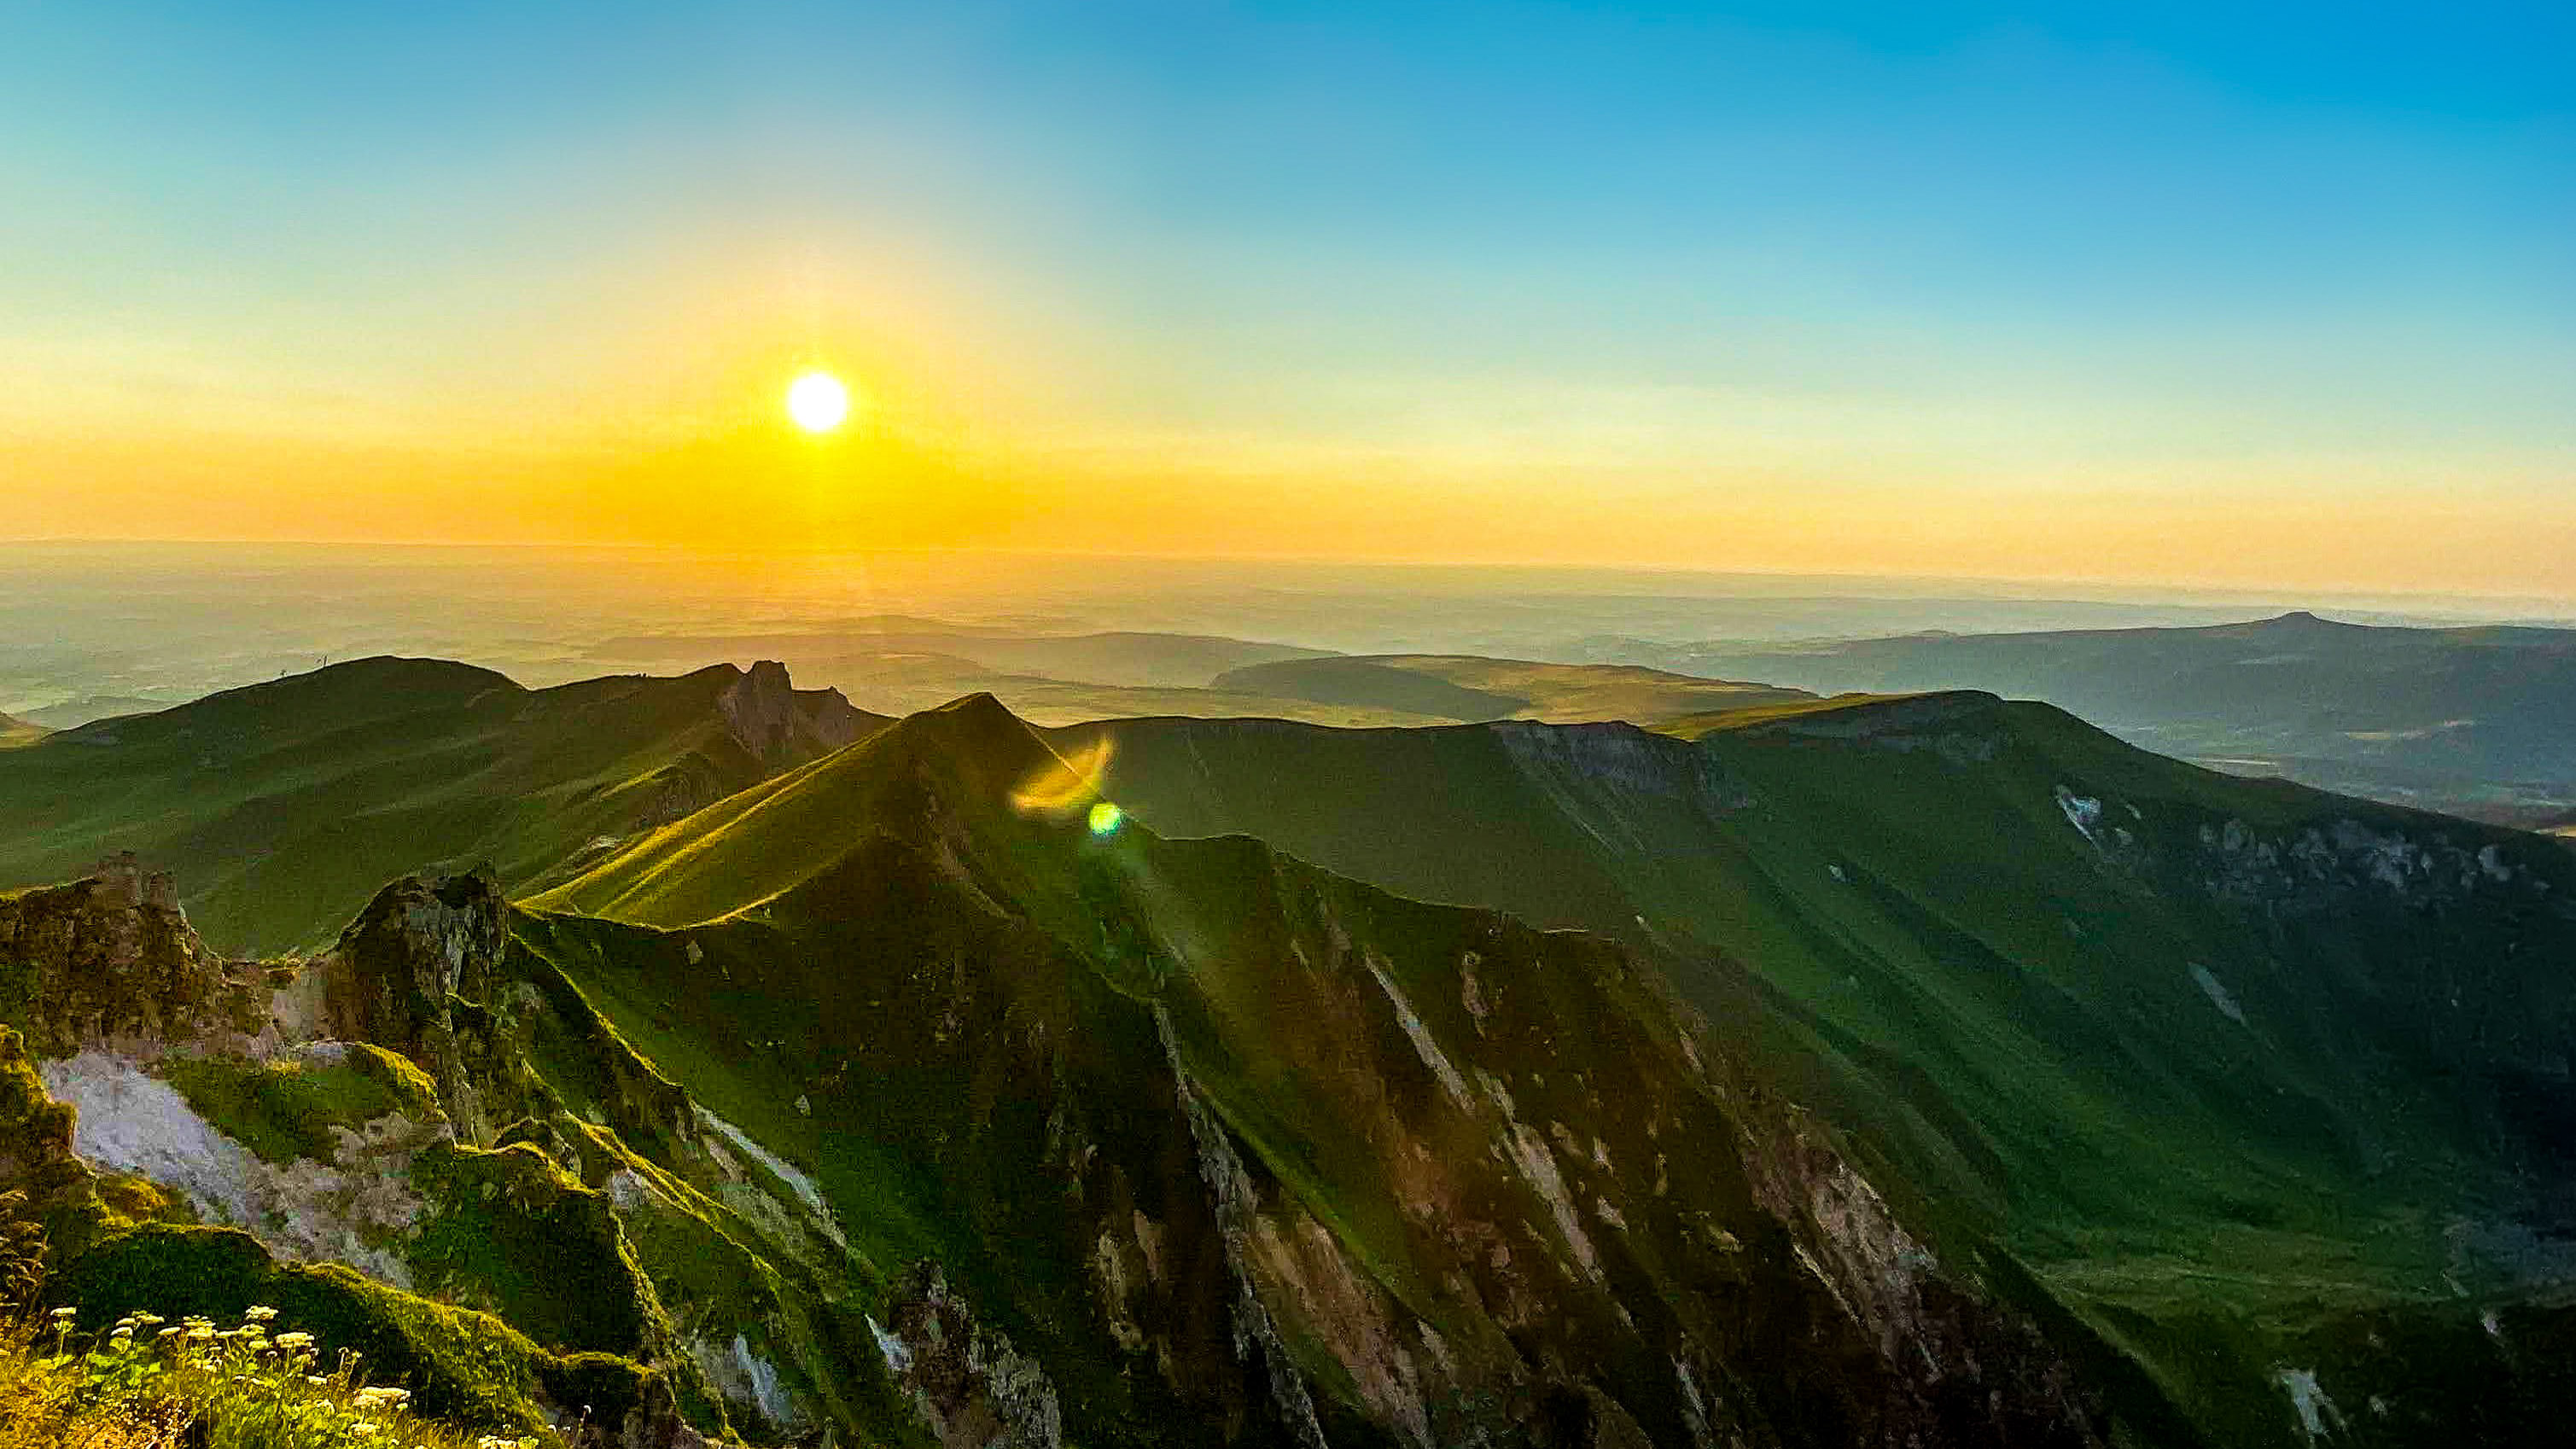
(1105, 818)
(1067, 785)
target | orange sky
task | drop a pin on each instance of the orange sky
(761, 485)
(2017, 304)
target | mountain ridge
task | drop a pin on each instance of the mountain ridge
(2466, 718)
(1984, 936)
(285, 804)
(2012, 1061)
(1283, 1079)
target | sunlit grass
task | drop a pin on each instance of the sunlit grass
(145, 1383)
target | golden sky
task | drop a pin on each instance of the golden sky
(2178, 309)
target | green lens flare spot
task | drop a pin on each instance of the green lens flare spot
(1105, 818)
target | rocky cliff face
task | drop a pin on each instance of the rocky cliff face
(413, 973)
(774, 720)
(109, 962)
(169, 1087)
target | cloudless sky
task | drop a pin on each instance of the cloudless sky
(2276, 294)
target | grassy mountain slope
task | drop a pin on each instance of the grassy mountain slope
(2246, 1074)
(15, 732)
(1471, 689)
(1459, 1177)
(2456, 717)
(284, 806)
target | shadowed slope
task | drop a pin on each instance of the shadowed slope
(2248, 1073)
(1472, 689)
(1220, 1138)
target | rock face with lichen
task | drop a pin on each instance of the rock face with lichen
(414, 973)
(171, 1088)
(109, 961)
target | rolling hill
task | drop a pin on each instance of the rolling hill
(1465, 688)
(284, 806)
(2466, 719)
(2249, 1078)
(1118, 657)
(14, 732)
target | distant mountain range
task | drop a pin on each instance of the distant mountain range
(2473, 719)
(1468, 689)
(1934, 1070)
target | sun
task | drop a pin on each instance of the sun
(818, 402)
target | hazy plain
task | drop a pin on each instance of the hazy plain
(89, 630)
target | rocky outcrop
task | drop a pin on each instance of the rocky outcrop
(1960, 1352)
(773, 719)
(417, 973)
(110, 963)
(1230, 1193)
(172, 1085)
(36, 1157)
(969, 1385)
(2321, 867)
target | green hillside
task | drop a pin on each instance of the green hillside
(1469, 689)
(1931, 1070)
(1457, 1218)
(907, 1100)
(2252, 1078)
(282, 807)
(14, 732)
(2465, 718)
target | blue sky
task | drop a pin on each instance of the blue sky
(1985, 253)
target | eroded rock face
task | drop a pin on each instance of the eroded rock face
(109, 962)
(2318, 866)
(171, 1076)
(770, 717)
(971, 1387)
(36, 1155)
(353, 1208)
(1604, 774)
(414, 973)
(1958, 1354)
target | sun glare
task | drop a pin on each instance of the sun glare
(818, 402)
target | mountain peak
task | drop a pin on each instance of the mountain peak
(2304, 619)
(981, 762)
(977, 727)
